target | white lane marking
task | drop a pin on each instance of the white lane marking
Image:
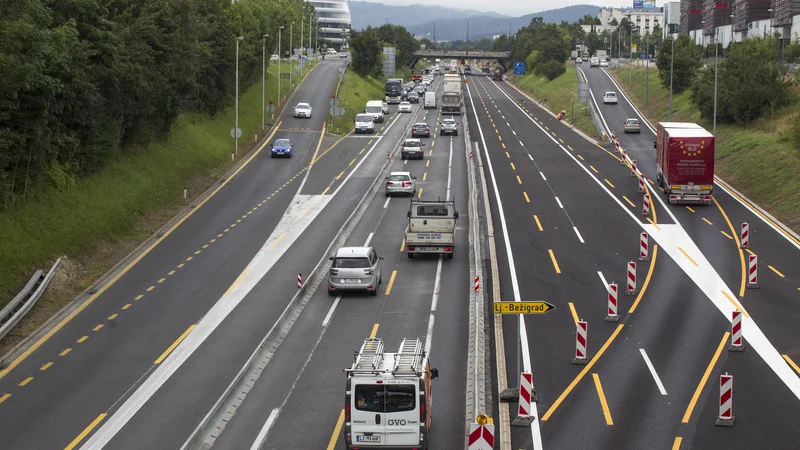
(387, 202)
(449, 168)
(265, 429)
(559, 203)
(434, 302)
(291, 226)
(329, 316)
(653, 372)
(355, 169)
(603, 279)
(536, 433)
(540, 173)
(405, 161)
(369, 238)
(580, 238)
(515, 133)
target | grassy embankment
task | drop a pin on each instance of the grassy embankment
(109, 213)
(558, 95)
(353, 96)
(759, 159)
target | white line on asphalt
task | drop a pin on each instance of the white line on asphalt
(529, 156)
(515, 133)
(369, 238)
(387, 202)
(330, 311)
(580, 238)
(603, 279)
(405, 161)
(653, 372)
(263, 433)
(559, 203)
(434, 302)
(355, 169)
(449, 169)
(540, 173)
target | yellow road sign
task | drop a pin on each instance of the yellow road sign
(522, 307)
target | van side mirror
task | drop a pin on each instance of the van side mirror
(434, 374)
(331, 258)
(409, 214)
(455, 215)
(655, 146)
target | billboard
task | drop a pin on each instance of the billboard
(644, 3)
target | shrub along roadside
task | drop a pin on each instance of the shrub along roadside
(354, 94)
(107, 214)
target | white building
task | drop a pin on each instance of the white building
(334, 20)
(647, 19)
(671, 20)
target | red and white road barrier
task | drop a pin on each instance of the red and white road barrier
(646, 205)
(613, 136)
(630, 275)
(752, 272)
(644, 247)
(299, 280)
(745, 235)
(580, 343)
(613, 295)
(389, 155)
(633, 168)
(641, 185)
(737, 342)
(481, 437)
(476, 284)
(525, 394)
(470, 155)
(725, 417)
(624, 156)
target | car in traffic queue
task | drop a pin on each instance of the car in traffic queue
(274, 58)
(355, 269)
(412, 148)
(420, 129)
(603, 63)
(632, 126)
(400, 183)
(375, 107)
(610, 98)
(282, 147)
(448, 126)
(579, 60)
(385, 108)
(413, 97)
(404, 107)
(365, 123)
(342, 54)
(302, 110)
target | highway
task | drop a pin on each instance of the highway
(572, 213)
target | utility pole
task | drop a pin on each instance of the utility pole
(302, 32)
(310, 19)
(671, 64)
(647, 72)
(434, 34)
(630, 69)
(467, 38)
(263, 75)
(236, 126)
(291, 53)
(716, 71)
(280, 56)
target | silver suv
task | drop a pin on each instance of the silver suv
(448, 126)
(355, 269)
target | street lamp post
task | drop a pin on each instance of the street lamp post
(263, 75)
(671, 64)
(310, 19)
(647, 72)
(236, 125)
(291, 53)
(302, 32)
(716, 71)
(630, 69)
(280, 56)
(619, 51)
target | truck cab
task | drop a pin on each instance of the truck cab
(388, 397)
(431, 227)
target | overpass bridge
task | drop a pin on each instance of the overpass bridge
(501, 57)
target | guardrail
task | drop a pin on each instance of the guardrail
(24, 301)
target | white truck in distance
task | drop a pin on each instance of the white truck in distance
(431, 227)
(451, 94)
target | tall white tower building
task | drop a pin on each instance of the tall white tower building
(334, 20)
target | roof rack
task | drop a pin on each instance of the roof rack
(410, 358)
(369, 358)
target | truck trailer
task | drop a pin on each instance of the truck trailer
(452, 98)
(497, 74)
(685, 162)
(431, 227)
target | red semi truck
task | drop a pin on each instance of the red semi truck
(685, 162)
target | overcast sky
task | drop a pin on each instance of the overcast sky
(512, 7)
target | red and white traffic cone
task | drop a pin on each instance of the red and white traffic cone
(752, 272)
(646, 205)
(644, 246)
(631, 277)
(725, 417)
(737, 342)
(633, 168)
(745, 235)
(580, 343)
(299, 280)
(525, 394)
(624, 156)
(641, 185)
(613, 294)
(477, 284)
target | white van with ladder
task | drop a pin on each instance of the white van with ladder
(388, 397)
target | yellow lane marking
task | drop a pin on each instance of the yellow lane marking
(303, 214)
(726, 235)
(237, 281)
(690, 208)
(687, 256)
(370, 141)
(497, 131)
(275, 242)
(513, 167)
(750, 251)
(424, 176)
(98, 327)
(574, 312)
(554, 135)
(503, 144)
(706, 221)
(735, 304)
(548, 129)
(85, 432)
(786, 357)
(677, 444)
(602, 396)
(766, 219)
(174, 344)
(629, 202)
(374, 330)
(419, 194)
(507, 155)
(65, 352)
(581, 157)
(326, 190)
(25, 381)
(703, 380)
(113, 316)
(500, 137)
(776, 271)
(595, 170)
(608, 182)
(653, 223)
(4, 397)
(402, 246)
(200, 251)
(583, 373)
(430, 152)
(150, 288)
(138, 297)
(562, 141)
(646, 280)
(519, 180)
(428, 163)
(538, 224)
(340, 175)
(738, 246)
(46, 366)
(570, 148)
(336, 430)
(81, 339)
(526, 197)
(553, 258)
(351, 162)
(651, 181)
(493, 126)
(391, 282)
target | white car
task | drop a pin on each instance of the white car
(610, 98)
(603, 63)
(302, 110)
(404, 107)
(578, 60)
(385, 108)
(274, 58)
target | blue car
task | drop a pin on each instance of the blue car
(282, 147)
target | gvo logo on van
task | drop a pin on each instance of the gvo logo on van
(396, 422)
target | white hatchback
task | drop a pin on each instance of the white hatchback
(302, 110)
(610, 98)
(404, 107)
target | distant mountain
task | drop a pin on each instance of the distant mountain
(363, 14)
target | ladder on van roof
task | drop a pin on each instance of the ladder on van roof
(410, 358)
(369, 358)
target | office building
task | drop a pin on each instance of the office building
(691, 16)
(333, 17)
(672, 19)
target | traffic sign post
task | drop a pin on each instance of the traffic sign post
(520, 67)
(522, 307)
(236, 133)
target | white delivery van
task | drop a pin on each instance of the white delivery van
(364, 123)
(430, 100)
(375, 107)
(388, 397)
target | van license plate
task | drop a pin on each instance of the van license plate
(360, 438)
(352, 281)
(691, 197)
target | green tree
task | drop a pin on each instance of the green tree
(684, 66)
(365, 49)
